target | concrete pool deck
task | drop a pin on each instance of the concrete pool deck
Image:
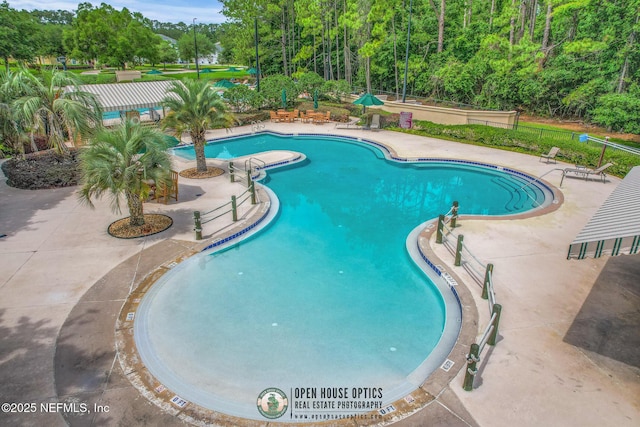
(58, 299)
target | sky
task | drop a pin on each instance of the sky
(205, 11)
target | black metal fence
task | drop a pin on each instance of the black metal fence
(560, 135)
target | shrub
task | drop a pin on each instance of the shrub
(619, 112)
(247, 118)
(44, 169)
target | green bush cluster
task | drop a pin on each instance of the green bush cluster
(571, 151)
(247, 118)
(45, 169)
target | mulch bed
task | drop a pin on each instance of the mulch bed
(154, 223)
(194, 174)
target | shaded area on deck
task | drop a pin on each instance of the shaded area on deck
(609, 321)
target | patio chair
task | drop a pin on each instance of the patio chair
(274, 116)
(164, 193)
(551, 155)
(375, 122)
(582, 171)
(317, 118)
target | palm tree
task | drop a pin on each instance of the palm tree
(119, 161)
(57, 108)
(195, 107)
(12, 87)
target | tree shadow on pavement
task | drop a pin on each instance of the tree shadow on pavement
(609, 321)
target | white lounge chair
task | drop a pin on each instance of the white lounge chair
(586, 173)
(551, 155)
(353, 124)
(375, 122)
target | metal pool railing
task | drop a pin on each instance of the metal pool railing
(202, 218)
(465, 258)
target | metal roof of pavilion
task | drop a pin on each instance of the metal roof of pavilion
(615, 227)
(129, 96)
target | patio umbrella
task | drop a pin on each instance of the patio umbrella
(224, 83)
(252, 71)
(233, 69)
(284, 98)
(367, 100)
(154, 71)
(315, 99)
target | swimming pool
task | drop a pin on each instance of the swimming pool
(116, 114)
(326, 295)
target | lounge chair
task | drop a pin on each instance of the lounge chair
(353, 124)
(585, 172)
(551, 155)
(164, 192)
(375, 122)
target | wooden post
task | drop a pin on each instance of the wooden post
(604, 148)
(234, 208)
(440, 227)
(497, 309)
(198, 227)
(458, 260)
(472, 359)
(454, 214)
(485, 285)
(252, 188)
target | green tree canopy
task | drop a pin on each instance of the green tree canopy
(110, 36)
(187, 46)
(17, 30)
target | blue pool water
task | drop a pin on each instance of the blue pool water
(326, 295)
(116, 114)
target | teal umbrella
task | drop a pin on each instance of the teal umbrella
(315, 99)
(233, 69)
(206, 70)
(284, 98)
(225, 84)
(154, 71)
(367, 100)
(252, 71)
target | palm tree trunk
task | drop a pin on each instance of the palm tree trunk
(201, 160)
(136, 215)
(198, 146)
(34, 147)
